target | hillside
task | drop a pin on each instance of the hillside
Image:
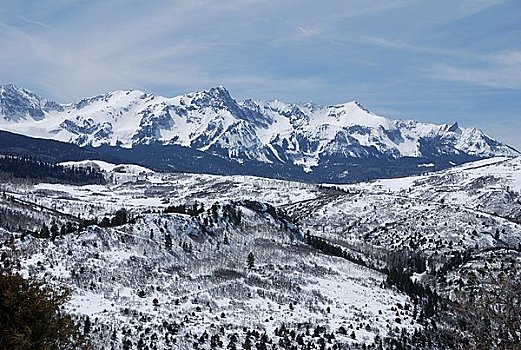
(339, 265)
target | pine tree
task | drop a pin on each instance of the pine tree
(54, 231)
(44, 231)
(120, 218)
(250, 260)
(105, 222)
(168, 241)
(87, 325)
(31, 316)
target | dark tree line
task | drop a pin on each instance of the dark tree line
(332, 249)
(121, 217)
(399, 274)
(15, 220)
(192, 210)
(52, 231)
(35, 170)
(455, 261)
(401, 278)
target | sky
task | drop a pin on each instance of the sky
(434, 61)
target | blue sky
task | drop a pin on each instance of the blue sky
(435, 61)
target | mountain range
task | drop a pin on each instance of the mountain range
(184, 258)
(339, 143)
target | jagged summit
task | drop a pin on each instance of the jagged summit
(18, 104)
(273, 132)
(454, 127)
(219, 90)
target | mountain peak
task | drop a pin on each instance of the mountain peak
(219, 91)
(8, 87)
(351, 105)
(359, 105)
(13, 89)
(18, 103)
(353, 113)
(216, 97)
(454, 127)
(302, 134)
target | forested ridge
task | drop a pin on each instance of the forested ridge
(36, 170)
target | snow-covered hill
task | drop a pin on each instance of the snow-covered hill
(273, 132)
(173, 279)
(179, 269)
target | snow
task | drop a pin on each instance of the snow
(352, 113)
(91, 304)
(206, 119)
(107, 268)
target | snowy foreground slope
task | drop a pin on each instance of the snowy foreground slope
(179, 278)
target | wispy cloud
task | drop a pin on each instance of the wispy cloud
(30, 21)
(307, 32)
(502, 71)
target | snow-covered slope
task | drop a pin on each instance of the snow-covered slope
(305, 135)
(168, 277)
(17, 105)
(137, 285)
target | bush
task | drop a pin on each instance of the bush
(31, 316)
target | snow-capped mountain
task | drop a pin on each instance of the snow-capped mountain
(275, 136)
(17, 105)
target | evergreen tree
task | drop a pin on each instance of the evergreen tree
(31, 316)
(87, 326)
(168, 241)
(54, 231)
(251, 260)
(44, 232)
(105, 222)
(120, 218)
